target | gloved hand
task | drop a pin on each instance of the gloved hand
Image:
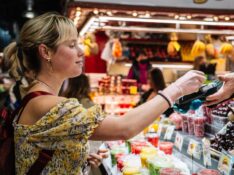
(187, 84)
(225, 91)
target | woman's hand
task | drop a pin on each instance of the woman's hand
(95, 159)
(187, 84)
(224, 92)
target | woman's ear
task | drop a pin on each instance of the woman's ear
(44, 51)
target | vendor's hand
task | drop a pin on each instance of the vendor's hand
(224, 92)
(95, 159)
(187, 84)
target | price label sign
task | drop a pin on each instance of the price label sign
(225, 163)
(169, 132)
(194, 149)
(179, 139)
(206, 152)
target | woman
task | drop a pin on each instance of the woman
(48, 46)
(139, 70)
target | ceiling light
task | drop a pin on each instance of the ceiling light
(109, 13)
(147, 15)
(216, 18)
(182, 18)
(208, 19)
(96, 11)
(168, 30)
(177, 16)
(189, 17)
(78, 9)
(226, 18)
(134, 14)
(29, 13)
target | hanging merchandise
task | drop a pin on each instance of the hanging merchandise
(107, 52)
(226, 49)
(210, 49)
(186, 52)
(117, 49)
(198, 48)
(173, 46)
(90, 45)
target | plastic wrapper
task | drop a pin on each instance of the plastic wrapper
(176, 119)
(199, 126)
(208, 172)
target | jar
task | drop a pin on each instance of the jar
(208, 172)
(170, 171)
(153, 138)
(166, 147)
(184, 123)
(199, 126)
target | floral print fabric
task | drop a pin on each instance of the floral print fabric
(65, 129)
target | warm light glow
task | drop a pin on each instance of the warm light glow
(175, 66)
(134, 14)
(165, 21)
(226, 18)
(96, 11)
(168, 30)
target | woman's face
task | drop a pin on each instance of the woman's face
(68, 59)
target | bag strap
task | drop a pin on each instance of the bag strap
(44, 155)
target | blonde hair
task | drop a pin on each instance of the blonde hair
(50, 29)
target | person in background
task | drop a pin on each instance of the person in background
(79, 87)
(201, 64)
(225, 92)
(156, 83)
(48, 46)
(139, 70)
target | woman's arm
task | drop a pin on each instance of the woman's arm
(112, 128)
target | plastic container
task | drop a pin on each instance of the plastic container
(191, 125)
(218, 121)
(136, 146)
(153, 138)
(146, 153)
(199, 126)
(155, 164)
(184, 123)
(131, 171)
(208, 172)
(115, 152)
(166, 147)
(170, 171)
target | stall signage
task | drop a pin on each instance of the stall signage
(225, 163)
(194, 149)
(206, 152)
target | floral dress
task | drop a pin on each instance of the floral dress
(65, 129)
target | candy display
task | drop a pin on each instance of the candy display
(224, 140)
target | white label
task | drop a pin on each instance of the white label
(169, 132)
(194, 149)
(179, 139)
(206, 152)
(159, 130)
(225, 163)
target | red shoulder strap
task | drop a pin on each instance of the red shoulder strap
(27, 98)
(45, 155)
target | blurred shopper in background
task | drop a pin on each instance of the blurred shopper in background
(139, 70)
(156, 83)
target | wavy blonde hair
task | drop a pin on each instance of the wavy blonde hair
(50, 29)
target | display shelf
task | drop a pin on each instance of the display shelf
(190, 159)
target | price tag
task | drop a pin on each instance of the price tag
(206, 152)
(159, 130)
(179, 139)
(225, 163)
(194, 149)
(169, 132)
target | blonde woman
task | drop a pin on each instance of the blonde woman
(48, 46)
